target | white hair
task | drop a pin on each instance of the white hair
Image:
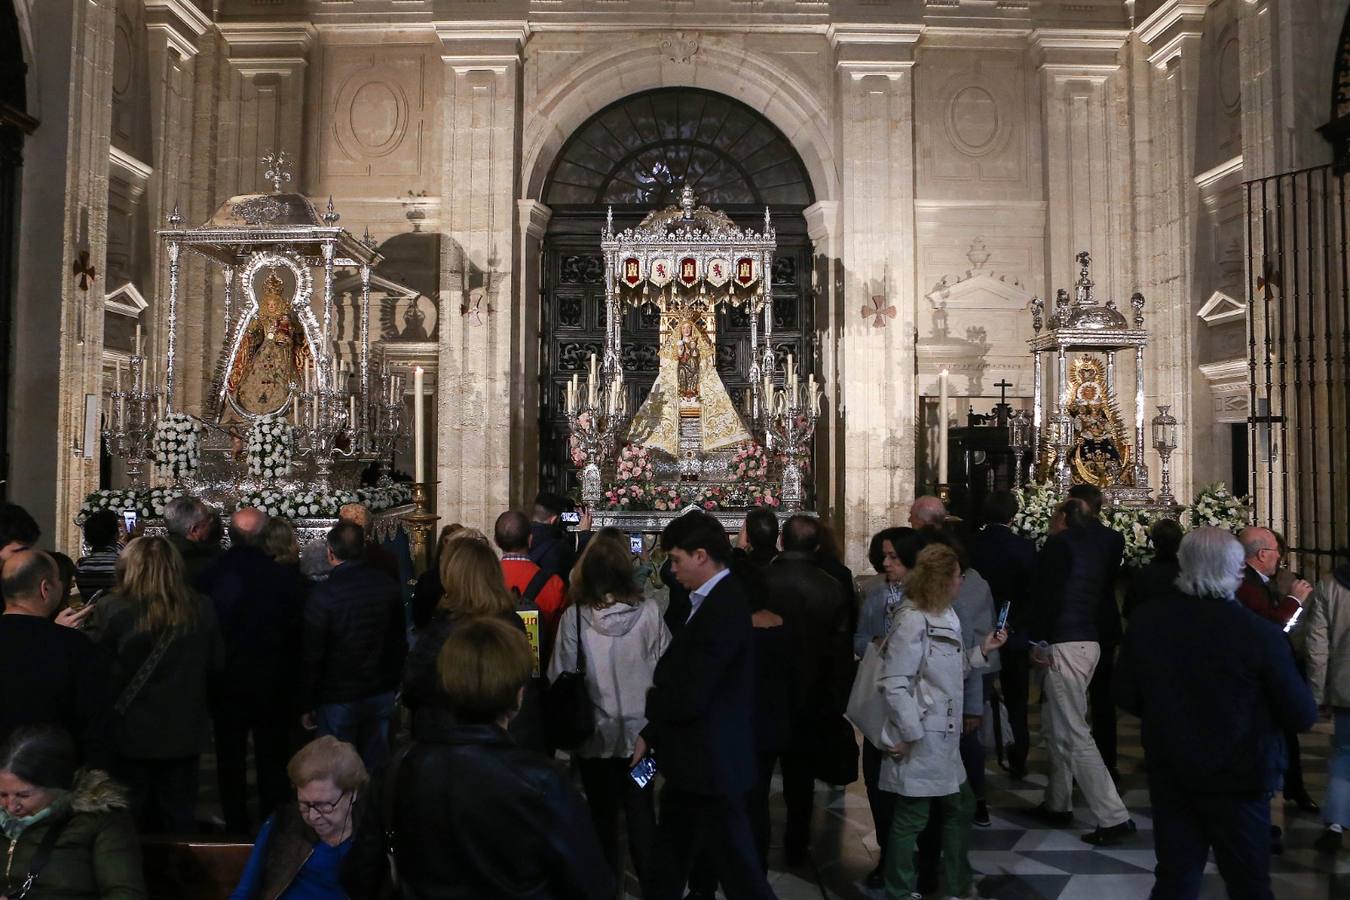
(182, 514)
(1211, 562)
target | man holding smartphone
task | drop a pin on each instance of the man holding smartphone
(700, 717)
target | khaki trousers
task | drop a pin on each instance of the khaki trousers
(1073, 754)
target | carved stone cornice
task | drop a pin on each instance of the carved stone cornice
(867, 48)
(468, 46)
(179, 22)
(263, 46)
(1083, 52)
(1168, 27)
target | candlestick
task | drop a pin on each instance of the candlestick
(419, 426)
(117, 375)
(942, 427)
(351, 413)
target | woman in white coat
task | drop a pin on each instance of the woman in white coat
(922, 677)
(622, 638)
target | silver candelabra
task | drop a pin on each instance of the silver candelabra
(789, 421)
(131, 421)
(597, 413)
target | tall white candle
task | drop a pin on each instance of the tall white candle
(419, 426)
(942, 427)
(351, 413)
(138, 337)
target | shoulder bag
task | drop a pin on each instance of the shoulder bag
(569, 715)
(867, 708)
(41, 857)
(138, 681)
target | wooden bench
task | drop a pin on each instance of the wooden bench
(192, 869)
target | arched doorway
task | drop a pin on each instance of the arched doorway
(634, 156)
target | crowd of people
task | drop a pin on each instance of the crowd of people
(546, 698)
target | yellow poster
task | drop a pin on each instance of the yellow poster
(531, 619)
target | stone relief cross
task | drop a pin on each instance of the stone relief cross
(878, 312)
(82, 270)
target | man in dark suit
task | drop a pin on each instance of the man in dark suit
(816, 618)
(1101, 692)
(700, 721)
(258, 603)
(1213, 687)
(1008, 562)
(1259, 593)
(352, 649)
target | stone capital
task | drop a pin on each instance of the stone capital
(468, 46)
(534, 217)
(178, 22)
(1078, 52)
(258, 47)
(822, 224)
(1169, 28)
(863, 49)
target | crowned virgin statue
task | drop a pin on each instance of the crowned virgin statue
(687, 387)
(271, 356)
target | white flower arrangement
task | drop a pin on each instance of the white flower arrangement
(1216, 506)
(147, 504)
(273, 501)
(1036, 507)
(270, 447)
(324, 504)
(1133, 525)
(177, 438)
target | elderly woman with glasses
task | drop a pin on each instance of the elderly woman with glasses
(300, 849)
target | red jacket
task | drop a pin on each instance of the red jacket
(518, 573)
(1260, 597)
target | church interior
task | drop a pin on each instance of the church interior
(438, 256)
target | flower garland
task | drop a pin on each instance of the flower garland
(1215, 505)
(671, 498)
(750, 463)
(270, 446)
(635, 465)
(147, 504)
(177, 438)
(324, 505)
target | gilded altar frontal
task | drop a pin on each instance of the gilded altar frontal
(813, 255)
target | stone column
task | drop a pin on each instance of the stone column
(58, 324)
(1086, 180)
(533, 221)
(827, 287)
(876, 366)
(173, 28)
(1169, 207)
(481, 355)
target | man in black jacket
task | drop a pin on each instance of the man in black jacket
(700, 722)
(258, 604)
(1074, 573)
(552, 547)
(1213, 686)
(1008, 562)
(816, 617)
(1101, 692)
(352, 649)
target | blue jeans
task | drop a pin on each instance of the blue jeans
(362, 723)
(1336, 810)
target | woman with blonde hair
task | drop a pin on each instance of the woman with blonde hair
(428, 591)
(922, 677)
(277, 540)
(302, 845)
(620, 637)
(473, 587)
(165, 645)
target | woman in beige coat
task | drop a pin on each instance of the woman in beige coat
(1329, 677)
(923, 670)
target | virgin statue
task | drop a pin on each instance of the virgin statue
(271, 356)
(687, 385)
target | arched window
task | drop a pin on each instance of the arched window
(634, 156)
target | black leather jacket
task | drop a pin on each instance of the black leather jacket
(475, 816)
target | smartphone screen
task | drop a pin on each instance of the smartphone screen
(129, 520)
(643, 773)
(570, 518)
(1003, 616)
(635, 544)
(1293, 620)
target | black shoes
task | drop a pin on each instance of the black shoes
(982, 814)
(1328, 842)
(1302, 802)
(1106, 837)
(1053, 817)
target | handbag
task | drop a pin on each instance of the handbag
(569, 715)
(835, 760)
(41, 857)
(866, 706)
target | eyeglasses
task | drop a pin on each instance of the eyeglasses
(320, 807)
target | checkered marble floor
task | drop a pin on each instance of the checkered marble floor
(1018, 858)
